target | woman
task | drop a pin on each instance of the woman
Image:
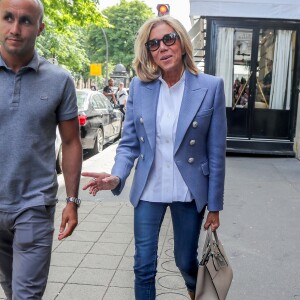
(122, 97)
(175, 125)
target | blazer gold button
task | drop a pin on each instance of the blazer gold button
(141, 120)
(195, 124)
(142, 156)
(142, 139)
(190, 160)
(192, 142)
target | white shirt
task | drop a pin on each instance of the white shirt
(122, 96)
(165, 183)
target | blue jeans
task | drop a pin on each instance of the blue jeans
(148, 218)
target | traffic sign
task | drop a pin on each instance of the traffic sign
(95, 70)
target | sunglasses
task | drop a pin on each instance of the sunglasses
(168, 39)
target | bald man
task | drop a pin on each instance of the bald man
(35, 96)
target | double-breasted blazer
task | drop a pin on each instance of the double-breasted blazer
(200, 141)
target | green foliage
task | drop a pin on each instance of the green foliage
(63, 36)
(125, 18)
(74, 33)
(68, 13)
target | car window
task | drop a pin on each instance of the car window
(101, 104)
(95, 102)
(106, 102)
(81, 100)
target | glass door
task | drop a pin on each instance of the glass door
(233, 64)
(257, 67)
(273, 84)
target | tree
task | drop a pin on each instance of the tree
(64, 34)
(125, 18)
(69, 13)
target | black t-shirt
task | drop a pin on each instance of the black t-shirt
(108, 89)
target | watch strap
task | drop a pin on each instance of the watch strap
(75, 200)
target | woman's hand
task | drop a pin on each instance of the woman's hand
(100, 181)
(212, 220)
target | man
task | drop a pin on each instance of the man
(122, 97)
(267, 81)
(35, 96)
(109, 92)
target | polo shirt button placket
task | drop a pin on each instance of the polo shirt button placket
(17, 92)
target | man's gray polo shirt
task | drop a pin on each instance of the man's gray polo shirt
(32, 102)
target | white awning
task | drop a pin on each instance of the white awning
(269, 9)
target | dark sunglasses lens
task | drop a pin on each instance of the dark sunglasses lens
(169, 39)
(152, 45)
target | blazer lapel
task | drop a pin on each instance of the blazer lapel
(193, 96)
(149, 99)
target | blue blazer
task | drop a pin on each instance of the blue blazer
(200, 142)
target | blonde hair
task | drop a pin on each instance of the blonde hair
(143, 64)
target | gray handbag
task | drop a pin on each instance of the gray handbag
(214, 273)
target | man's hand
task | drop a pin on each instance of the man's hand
(212, 220)
(100, 181)
(69, 220)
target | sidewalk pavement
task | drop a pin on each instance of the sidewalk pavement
(259, 230)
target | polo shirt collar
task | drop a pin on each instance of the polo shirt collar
(33, 64)
(2, 63)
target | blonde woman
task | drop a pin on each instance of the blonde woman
(175, 126)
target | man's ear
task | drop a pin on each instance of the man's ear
(41, 29)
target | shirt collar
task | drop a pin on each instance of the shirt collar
(2, 63)
(33, 64)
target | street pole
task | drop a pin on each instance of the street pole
(106, 60)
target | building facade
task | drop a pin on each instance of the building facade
(255, 47)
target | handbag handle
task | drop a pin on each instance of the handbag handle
(207, 247)
(209, 237)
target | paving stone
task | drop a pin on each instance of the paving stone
(60, 274)
(74, 247)
(123, 279)
(92, 226)
(109, 248)
(82, 292)
(119, 293)
(116, 237)
(126, 263)
(101, 261)
(52, 290)
(92, 276)
(171, 281)
(123, 228)
(85, 236)
(97, 218)
(61, 259)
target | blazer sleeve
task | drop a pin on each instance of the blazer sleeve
(129, 148)
(216, 149)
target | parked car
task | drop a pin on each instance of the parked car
(99, 122)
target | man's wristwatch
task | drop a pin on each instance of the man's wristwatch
(75, 200)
